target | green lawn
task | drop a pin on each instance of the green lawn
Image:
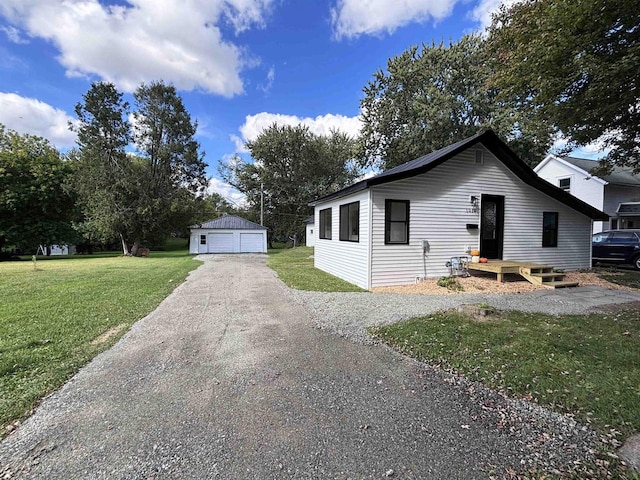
(586, 365)
(295, 268)
(51, 317)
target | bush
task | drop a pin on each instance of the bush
(450, 283)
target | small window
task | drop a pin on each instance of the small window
(550, 229)
(325, 224)
(565, 184)
(614, 224)
(311, 232)
(396, 222)
(203, 239)
(350, 222)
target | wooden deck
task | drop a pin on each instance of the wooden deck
(535, 273)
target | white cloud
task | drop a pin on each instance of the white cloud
(13, 34)
(485, 8)
(271, 76)
(178, 41)
(226, 191)
(320, 125)
(352, 18)
(29, 115)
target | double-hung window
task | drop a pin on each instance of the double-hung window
(396, 222)
(350, 222)
(325, 224)
(565, 184)
(550, 229)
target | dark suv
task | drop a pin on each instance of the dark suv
(617, 246)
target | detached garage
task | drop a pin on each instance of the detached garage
(228, 234)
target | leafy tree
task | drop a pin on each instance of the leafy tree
(35, 206)
(104, 176)
(433, 96)
(293, 166)
(211, 206)
(144, 197)
(575, 64)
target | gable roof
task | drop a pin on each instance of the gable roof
(495, 145)
(229, 222)
(618, 176)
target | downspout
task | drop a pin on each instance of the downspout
(369, 273)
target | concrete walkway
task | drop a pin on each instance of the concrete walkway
(229, 379)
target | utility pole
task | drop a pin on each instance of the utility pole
(261, 204)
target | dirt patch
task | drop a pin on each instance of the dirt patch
(487, 283)
(108, 334)
(480, 313)
(619, 308)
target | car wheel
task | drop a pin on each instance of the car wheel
(636, 262)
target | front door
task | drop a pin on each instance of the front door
(491, 226)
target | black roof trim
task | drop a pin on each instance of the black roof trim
(491, 141)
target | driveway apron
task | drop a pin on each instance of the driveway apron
(228, 378)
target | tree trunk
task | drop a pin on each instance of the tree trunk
(135, 248)
(125, 248)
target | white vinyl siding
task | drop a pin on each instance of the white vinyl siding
(310, 234)
(440, 209)
(587, 188)
(346, 260)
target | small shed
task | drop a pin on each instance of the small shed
(310, 238)
(228, 234)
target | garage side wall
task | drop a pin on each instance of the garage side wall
(227, 241)
(441, 208)
(344, 259)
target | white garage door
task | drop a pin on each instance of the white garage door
(251, 242)
(220, 242)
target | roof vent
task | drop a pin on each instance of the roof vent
(479, 157)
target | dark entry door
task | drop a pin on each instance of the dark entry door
(491, 226)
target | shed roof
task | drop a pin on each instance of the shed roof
(618, 176)
(495, 145)
(229, 222)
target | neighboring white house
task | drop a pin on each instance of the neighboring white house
(62, 249)
(617, 194)
(475, 194)
(309, 234)
(228, 234)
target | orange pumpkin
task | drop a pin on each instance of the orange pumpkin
(474, 253)
(484, 260)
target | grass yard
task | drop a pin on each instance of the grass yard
(585, 365)
(620, 276)
(56, 318)
(295, 268)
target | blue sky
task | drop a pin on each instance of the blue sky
(239, 65)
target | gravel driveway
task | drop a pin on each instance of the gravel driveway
(228, 378)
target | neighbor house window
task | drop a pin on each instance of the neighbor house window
(203, 239)
(325, 224)
(565, 184)
(350, 222)
(396, 222)
(550, 229)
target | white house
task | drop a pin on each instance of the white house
(228, 234)
(310, 229)
(617, 194)
(475, 194)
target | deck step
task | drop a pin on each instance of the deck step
(562, 284)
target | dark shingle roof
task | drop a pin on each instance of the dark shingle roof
(618, 176)
(310, 219)
(492, 142)
(229, 222)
